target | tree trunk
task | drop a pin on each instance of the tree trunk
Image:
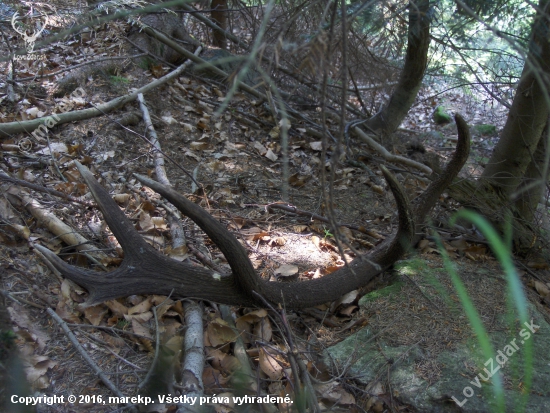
(519, 153)
(528, 115)
(531, 190)
(219, 16)
(388, 119)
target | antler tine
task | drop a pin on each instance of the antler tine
(89, 279)
(426, 201)
(154, 274)
(132, 243)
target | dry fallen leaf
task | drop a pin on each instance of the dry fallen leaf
(253, 316)
(220, 333)
(199, 146)
(316, 146)
(139, 328)
(541, 288)
(270, 155)
(116, 307)
(263, 330)
(36, 368)
(270, 366)
(140, 308)
(95, 314)
(262, 150)
(334, 392)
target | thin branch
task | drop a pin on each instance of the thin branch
(108, 383)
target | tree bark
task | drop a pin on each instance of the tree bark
(528, 115)
(388, 119)
(531, 190)
(517, 159)
(219, 16)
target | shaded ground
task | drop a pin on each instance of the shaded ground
(418, 347)
(237, 159)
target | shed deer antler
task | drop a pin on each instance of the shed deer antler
(146, 271)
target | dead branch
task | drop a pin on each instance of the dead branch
(43, 189)
(389, 156)
(193, 361)
(10, 128)
(56, 226)
(110, 385)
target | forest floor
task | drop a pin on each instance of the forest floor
(237, 159)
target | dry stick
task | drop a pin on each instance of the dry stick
(145, 381)
(21, 300)
(176, 228)
(59, 228)
(389, 156)
(311, 215)
(111, 329)
(90, 62)
(193, 360)
(194, 354)
(292, 355)
(6, 178)
(86, 356)
(129, 363)
(193, 364)
(10, 128)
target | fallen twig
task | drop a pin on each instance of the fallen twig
(108, 383)
(21, 300)
(87, 62)
(193, 358)
(10, 128)
(58, 227)
(39, 188)
(311, 215)
(389, 156)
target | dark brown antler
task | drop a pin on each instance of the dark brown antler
(146, 271)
